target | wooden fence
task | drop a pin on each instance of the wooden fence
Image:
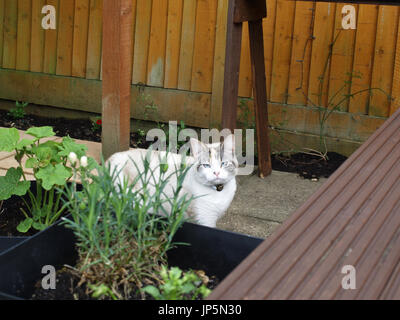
(179, 46)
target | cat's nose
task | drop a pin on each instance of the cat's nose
(216, 173)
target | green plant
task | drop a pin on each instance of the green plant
(19, 111)
(48, 160)
(246, 119)
(141, 133)
(178, 285)
(102, 291)
(175, 130)
(97, 124)
(336, 101)
(121, 242)
(146, 101)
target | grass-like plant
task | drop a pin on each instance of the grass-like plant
(176, 132)
(121, 242)
(51, 169)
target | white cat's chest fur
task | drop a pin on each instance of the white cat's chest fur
(209, 204)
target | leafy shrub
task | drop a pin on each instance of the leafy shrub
(120, 243)
(19, 111)
(178, 286)
(50, 168)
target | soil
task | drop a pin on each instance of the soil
(68, 289)
(307, 166)
(10, 218)
(11, 215)
(82, 129)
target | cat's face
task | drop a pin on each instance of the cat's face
(215, 163)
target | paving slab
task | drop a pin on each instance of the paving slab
(94, 149)
(247, 225)
(260, 205)
(4, 155)
(28, 176)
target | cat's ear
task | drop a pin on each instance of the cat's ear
(228, 145)
(197, 147)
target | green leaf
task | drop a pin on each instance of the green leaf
(43, 153)
(9, 138)
(31, 163)
(11, 185)
(175, 273)
(41, 132)
(39, 213)
(53, 175)
(47, 152)
(204, 291)
(153, 291)
(92, 164)
(169, 288)
(188, 287)
(25, 225)
(69, 145)
(39, 226)
(24, 143)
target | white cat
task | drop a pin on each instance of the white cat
(211, 178)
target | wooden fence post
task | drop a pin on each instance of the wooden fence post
(117, 53)
(232, 65)
(260, 97)
(252, 11)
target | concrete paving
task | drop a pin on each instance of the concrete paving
(259, 206)
(262, 205)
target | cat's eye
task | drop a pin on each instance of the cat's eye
(206, 165)
(224, 163)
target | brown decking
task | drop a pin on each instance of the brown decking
(353, 219)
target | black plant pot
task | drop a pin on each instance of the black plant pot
(215, 251)
(10, 241)
(7, 242)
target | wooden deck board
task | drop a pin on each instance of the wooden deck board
(353, 219)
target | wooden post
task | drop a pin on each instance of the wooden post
(252, 11)
(232, 66)
(117, 53)
(260, 97)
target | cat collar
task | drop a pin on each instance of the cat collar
(219, 187)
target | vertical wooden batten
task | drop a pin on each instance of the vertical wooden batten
(117, 66)
(260, 97)
(232, 67)
(240, 11)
